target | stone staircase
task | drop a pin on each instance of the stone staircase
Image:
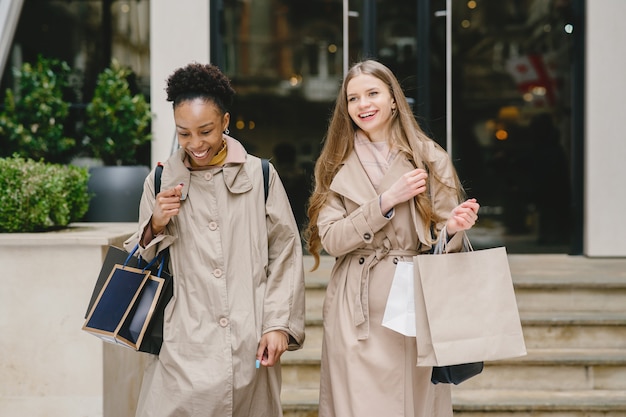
(573, 312)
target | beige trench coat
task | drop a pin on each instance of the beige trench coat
(369, 370)
(238, 273)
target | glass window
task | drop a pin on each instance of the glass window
(85, 34)
(510, 94)
(511, 118)
(284, 59)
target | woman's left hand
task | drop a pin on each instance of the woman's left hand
(463, 217)
(271, 347)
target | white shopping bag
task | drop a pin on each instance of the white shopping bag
(400, 309)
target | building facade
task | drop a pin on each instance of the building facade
(573, 95)
(522, 93)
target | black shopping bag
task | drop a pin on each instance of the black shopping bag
(128, 301)
(455, 374)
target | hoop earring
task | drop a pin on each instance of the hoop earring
(227, 131)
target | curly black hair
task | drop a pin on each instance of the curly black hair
(200, 81)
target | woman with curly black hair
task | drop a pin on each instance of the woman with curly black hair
(236, 258)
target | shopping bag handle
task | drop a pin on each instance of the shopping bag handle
(130, 255)
(164, 259)
(442, 244)
(161, 257)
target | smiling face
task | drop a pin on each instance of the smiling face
(199, 126)
(370, 105)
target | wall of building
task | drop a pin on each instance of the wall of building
(179, 35)
(605, 144)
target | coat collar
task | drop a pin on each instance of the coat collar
(352, 181)
(236, 178)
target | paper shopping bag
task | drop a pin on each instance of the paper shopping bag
(400, 309)
(128, 301)
(466, 309)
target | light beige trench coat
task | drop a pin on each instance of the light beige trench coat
(369, 370)
(238, 273)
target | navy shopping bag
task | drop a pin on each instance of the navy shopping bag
(128, 301)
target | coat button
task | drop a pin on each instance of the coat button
(213, 226)
(361, 260)
(208, 176)
(223, 322)
(217, 272)
(395, 260)
(367, 236)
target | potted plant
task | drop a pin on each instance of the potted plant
(33, 121)
(117, 129)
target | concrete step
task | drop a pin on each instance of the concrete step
(588, 294)
(555, 370)
(532, 295)
(542, 283)
(528, 268)
(563, 330)
(549, 369)
(574, 330)
(538, 403)
(497, 403)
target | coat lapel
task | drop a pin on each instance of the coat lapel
(352, 182)
(398, 167)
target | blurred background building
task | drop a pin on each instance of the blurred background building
(524, 94)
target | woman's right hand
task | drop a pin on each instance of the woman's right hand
(406, 187)
(166, 206)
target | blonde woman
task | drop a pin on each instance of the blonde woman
(383, 193)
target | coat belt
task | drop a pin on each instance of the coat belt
(372, 257)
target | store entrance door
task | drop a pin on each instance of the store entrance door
(489, 81)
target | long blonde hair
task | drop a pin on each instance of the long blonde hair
(406, 135)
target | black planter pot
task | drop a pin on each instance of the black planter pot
(116, 193)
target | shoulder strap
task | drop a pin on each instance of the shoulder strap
(265, 164)
(157, 188)
(157, 178)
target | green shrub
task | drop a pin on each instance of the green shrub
(33, 118)
(39, 196)
(117, 121)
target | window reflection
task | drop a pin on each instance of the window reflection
(86, 35)
(510, 93)
(511, 118)
(284, 59)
